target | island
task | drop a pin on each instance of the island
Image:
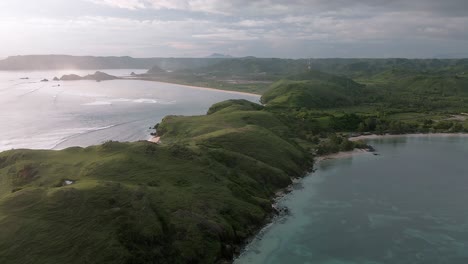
(97, 76)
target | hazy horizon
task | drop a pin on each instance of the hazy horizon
(240, 57)
(267, 28)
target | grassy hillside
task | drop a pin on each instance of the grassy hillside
(351, 68)
(197, 196)
(255, 67)
(421, 91)
(193, 199)
(393, 101)
(314, 90)
(255, 75)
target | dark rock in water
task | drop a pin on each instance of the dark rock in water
(44, 80)
(370, 148)
(133, 74)
(282, 210)
(376, 154)
(56, 79)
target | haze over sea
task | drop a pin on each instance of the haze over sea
(56, 115)
(403, 206)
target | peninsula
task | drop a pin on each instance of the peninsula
(210, 183)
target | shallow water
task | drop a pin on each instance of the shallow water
(56, 115)
(407, 205)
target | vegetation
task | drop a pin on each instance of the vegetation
(255, 75)
(196, 197)
(314, 90)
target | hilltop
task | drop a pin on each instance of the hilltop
(314, 90)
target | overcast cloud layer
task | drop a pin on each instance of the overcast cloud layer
(266, 28)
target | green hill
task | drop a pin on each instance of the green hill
(193, 199)
(251, 66)
(314, 90)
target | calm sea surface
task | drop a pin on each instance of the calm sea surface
(407, 205)
(56, 115)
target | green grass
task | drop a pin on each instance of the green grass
(313, 90)
(194, 198)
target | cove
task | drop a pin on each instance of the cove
(408, 204)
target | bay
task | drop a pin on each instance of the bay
(56, 114)
(405, 205)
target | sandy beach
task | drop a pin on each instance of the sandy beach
(195, 87)
(156, 140)
(347, 154)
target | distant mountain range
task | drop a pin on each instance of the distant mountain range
(219, 55)
(225, 66)
(451, 56)
(52, 62)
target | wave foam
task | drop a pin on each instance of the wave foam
(48, 140)
(145, 101)
(127, 100)
(95, 103)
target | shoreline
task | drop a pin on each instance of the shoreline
(376, 136)
(279, 211)
(341, 155)
(194, 87)
(155, 140)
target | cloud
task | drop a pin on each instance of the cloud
(125, 4)
(281, 7)
(208, 6)
(294, 28)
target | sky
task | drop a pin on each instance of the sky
(264, 28)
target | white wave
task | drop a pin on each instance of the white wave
(127, 100)
(153, 101)
(146, 101)
(30, 92)
(95, 103)
(121, 100)
(47, 140)
(30, 143)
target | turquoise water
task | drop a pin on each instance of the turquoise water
(407, 205)
(56, 115)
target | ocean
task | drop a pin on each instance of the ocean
(57, 115)
(406, 205)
